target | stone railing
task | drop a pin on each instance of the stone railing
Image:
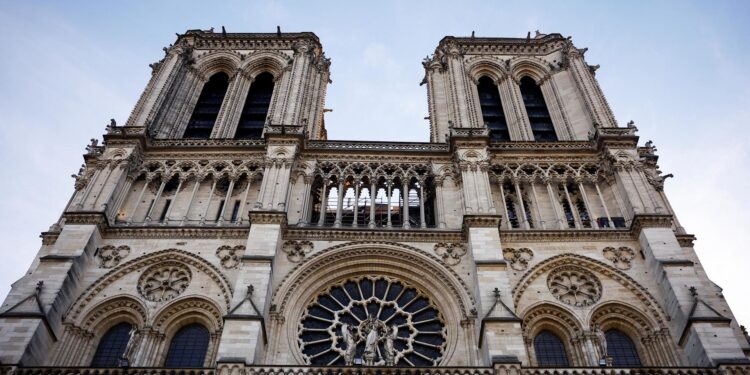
(7, 370)
(498, 369)
(377, 146)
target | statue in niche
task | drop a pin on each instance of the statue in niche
(348, 334)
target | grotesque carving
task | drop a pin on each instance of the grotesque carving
(230, 256)
(574, 286)
(620, 257)
(164, 281)
(451, 253)
(110, 256)
(296, 250)
(519, 258)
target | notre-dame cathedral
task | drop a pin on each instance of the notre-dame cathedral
(219, 231)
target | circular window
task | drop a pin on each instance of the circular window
(372, 320)
(574, 286)
(164, 281)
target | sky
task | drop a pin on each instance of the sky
(676, 68)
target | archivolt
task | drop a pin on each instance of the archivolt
(593, 265)
(308, 270)
(218, 61)
(529, 66)
(547, 316)
(147, 260)
(122, 308)
(486, 66)
(265, 61)
(188, 310)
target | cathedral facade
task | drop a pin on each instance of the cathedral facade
(218, 230)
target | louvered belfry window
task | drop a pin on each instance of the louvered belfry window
(207, 109)
(536, 108)
(492, 110)
(255, 110)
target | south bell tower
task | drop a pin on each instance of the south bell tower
(219, 228)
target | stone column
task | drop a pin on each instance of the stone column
(323, 203)
(422, 222)
(555, 204)
(604, 205)
(176, 194)
(190, 202)
(405, 210)
(339, 203)
(147, 220)
(146, 181)
(373, 195)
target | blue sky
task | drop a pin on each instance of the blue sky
(677, 68)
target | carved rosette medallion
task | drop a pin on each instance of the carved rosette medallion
(110, 256)
(519, 258)
(164, 281)
(369, 303)
(451, 253)
(229, 256)
(296, 250)
(620, 257)
(574, 286)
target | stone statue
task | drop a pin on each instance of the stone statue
(602, 338)
(371, 341)
(350, 350)
(390, 350)
(130, 347)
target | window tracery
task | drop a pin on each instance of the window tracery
(550, 350)
(574, 286)
(112, 346)
(164, 281)
(188, 347)
(360, 305)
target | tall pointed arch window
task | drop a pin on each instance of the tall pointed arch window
(492, 109)
(188, 347)
(536, 108)
(112, 346)
(207, 109)
(550, 350)
(622, 349)
(255, 110)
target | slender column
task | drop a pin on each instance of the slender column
(524, 219)
(505, 206)
(554, 203)
(440, 203)
(305, 201)
(121, 198)
(601, 200)
(618, 199)
(356, 202)
(156, 200)
(405, 210)
(586, 203)
(422, 222)
(208, 201)
(104, 185)
(373, 194)
(264, 182)
(226, 201)
(389, 185)
(536, 203)
(339, 204)
(572, 206)
(176, 193)
(323, 203)
(88, 188)
(190, 202)
(146, 181)
(243, 203)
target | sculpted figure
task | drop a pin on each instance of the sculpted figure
(602, 338)
(133, 337)
(347, 332)
(390, 351)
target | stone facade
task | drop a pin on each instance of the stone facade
(293, 251)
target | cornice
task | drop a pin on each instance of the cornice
(357, 234)
(641, 221)
(177, 232)
(567, 146)
(481, 221)
(686, 240)
(577, 235)
(268, 217)
(422, 147)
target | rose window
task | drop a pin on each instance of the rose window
(372, 321)
(574, 286)
(163, 282)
